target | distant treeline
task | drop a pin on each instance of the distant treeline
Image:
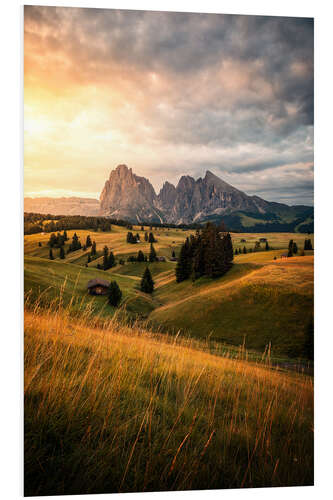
(33, 223)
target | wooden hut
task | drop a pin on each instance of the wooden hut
(98, 286)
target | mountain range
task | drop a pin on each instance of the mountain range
(128, 196)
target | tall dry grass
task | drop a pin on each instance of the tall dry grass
(110, 408)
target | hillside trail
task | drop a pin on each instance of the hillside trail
(210, 290)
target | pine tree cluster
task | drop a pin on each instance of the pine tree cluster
(131, 238)
(75, 245)
(208, 253)
(108, 259)
(93, 250)
(57, 241)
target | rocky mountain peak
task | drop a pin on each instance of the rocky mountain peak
(185, 182)
(129, 196)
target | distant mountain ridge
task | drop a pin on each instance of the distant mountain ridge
(128, 196)
(131, 197)
(62, 206)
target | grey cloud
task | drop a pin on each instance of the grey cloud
(274, 111)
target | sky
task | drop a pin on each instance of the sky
(168, 94)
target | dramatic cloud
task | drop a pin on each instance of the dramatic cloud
(168, 94)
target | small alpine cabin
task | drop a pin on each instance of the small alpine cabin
(98, 286)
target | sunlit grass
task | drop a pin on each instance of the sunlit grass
(110, 407)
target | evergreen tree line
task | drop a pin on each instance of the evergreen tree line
(58, 241)
(131, 238)
(33, 223)
(141, 257)
(257, 248)
(208, 253)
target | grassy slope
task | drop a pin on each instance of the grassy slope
(120, 409)
(55, 278)
(273, 305)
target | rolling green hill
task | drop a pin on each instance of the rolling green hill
(260, 300)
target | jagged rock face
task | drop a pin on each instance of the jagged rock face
(195, 200)
(128, 196)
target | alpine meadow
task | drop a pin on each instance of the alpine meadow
(168, 300)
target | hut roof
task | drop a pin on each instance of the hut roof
(98, 281)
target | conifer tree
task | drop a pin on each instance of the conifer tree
(140, 257)
(75, 245)
(114, 294)
(105, 257)
(111, 260)
(152, 253)
(147, 283)
(181, 265)
(131, 238)
(93, 249)
(88, 241)
(39, 244)
(295, 249)
(62, 253)
(229, 251)
(89, 259)
(290, 248)
(142, 228)
(53, 240)
(146, 236)
(267, 246)
(244, 249)
(151, 238)
(65, 237)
